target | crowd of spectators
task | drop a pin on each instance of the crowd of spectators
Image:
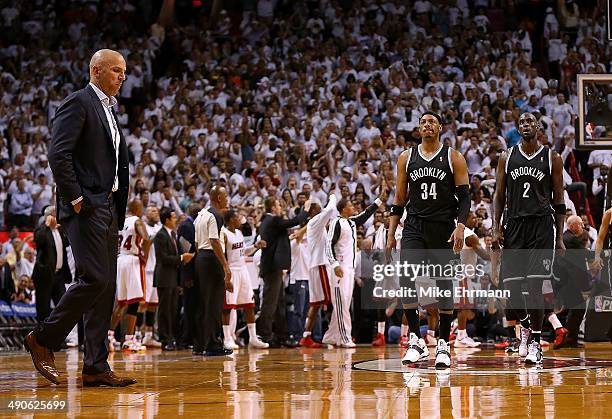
(283, 98)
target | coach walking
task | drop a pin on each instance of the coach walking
(89, 159)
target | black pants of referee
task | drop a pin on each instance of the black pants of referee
(209, 278)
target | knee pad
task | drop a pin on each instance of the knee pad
(132, 309)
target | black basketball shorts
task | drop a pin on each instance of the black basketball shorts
(529, 245)
(425, 244)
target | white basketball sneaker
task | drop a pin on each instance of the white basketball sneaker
(150, 341)
(443, 355)
(417, 350)
(466, 342)
(534, 354)
(525, 333)
(132, 345)
(257, 343)
(349, 344)
(229, 343)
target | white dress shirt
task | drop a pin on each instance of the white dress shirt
(57, 239)
(107, 105)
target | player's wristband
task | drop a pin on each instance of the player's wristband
(397, 210)
(463, 196)
(559, 209)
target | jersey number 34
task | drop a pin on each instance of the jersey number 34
(428, 191)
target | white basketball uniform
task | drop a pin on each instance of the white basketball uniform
(242, 296)
(131, 284)
(319, 289)
(151, 296)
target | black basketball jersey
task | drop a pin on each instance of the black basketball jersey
(431, 186)
(528, 183)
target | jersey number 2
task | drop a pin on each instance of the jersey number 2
(428, 191)
(526, 186)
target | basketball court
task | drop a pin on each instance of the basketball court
(313, 383)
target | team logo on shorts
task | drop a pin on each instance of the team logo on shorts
(546, 263)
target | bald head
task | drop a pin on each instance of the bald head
(107, 71)
(135, 207)
(218, 197)
(575, 224)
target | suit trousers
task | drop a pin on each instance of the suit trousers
(209, 278)
(273, 308)
(49, 285)
(166, 314)
(190, 304)
(93, 237)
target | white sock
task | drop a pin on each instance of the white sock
(517, 330)
(461, 333)
(431, 333)
(227, 333)
(554, 320)
(148, 335)
(381, 327)
(405, 330)
(128, 338)
(306, 333)
(252, 331)
(111, 333)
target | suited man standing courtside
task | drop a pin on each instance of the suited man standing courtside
(89, 159)
(275, 257)
(168, 259)
(51, 270)
(186, 230)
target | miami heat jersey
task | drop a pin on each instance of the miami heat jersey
(130, 240)
(528, 183)
(151, 231)
(234, 248)
(431, 186)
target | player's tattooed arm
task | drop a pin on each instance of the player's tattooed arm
(558, 195)
(400, 198)
(499, 200)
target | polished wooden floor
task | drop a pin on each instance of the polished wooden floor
(337, 383)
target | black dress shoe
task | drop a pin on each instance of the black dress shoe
(290, 343)
(219, 352)
(169, 347)
(274, 344)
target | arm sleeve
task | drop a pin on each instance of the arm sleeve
(360, 219)
(67, 126)
(332, 238)
(292, 222)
